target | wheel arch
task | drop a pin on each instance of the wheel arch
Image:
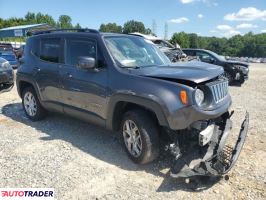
(22, 84)
(122, 103)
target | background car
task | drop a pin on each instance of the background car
(10, 57)
(235, 71)
(6, 47)
(174, 53)
(19, 51)
(6, 75)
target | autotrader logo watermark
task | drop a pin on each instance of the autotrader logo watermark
(26, 193)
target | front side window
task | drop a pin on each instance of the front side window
(77, 48)
(205, 57)
(50, 50)
(135, 52)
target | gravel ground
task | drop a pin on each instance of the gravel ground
(84, 162)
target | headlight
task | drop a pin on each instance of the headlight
(199, 97)
(242, 68)
(5, 65)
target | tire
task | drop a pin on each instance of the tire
(242, 79)
(148, 134)
(31, 105)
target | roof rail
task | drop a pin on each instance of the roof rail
(38, 32)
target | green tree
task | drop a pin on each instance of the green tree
(234, 46)
(251, 45)
(134, 26)
(65, 21)
(41, 18)
(30, 18)
(260, 40)
(148, 31)
(193, 40)
(78, 26)
(111, 28)
(180, 38)
(1, 23)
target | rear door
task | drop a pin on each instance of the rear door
(47, 71)
(84, 90)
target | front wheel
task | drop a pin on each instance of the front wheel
(242, 79)
(141, 136)
(31, 105)
(229, 77)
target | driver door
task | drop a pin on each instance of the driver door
(84, 90)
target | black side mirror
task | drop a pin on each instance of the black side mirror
(85, 62)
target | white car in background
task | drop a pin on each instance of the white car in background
(174, 53)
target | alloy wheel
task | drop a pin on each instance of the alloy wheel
(132, 138)
(30, 104)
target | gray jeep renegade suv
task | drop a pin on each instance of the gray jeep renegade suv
(125, 84)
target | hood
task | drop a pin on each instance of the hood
(196, 72)
(237, 63)
(9, 57)
(13, 62)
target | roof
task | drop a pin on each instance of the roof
(21, 31)
(76, 31)
(148, 37)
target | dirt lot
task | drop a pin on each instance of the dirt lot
(84, 162)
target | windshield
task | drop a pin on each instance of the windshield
(222, 58)
(135, 52)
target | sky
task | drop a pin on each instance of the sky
(221, 18)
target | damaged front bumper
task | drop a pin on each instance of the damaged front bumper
(217, 157)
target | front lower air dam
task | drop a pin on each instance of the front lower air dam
(220, 155)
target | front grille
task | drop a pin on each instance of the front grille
(219, 90)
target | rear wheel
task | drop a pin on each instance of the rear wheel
(31, 105)
(141, 136)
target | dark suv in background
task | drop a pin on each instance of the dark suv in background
(236, 72)
(126, 84)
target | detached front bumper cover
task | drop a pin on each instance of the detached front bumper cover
(219, 157)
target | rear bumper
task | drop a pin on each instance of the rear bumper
(218, 158)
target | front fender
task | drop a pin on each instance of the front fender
(150, 102)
